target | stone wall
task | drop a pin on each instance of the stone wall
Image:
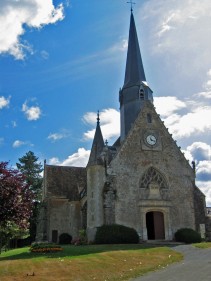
(208, 228)
(95, 185)
(199, 207)
(176, 201)
(64, 217)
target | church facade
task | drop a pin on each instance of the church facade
(142, 181)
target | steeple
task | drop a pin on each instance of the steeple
(134, 72)
(135, 91)
(97, 145)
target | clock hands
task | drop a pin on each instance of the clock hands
(152, 138)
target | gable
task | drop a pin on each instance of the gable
(149, 143)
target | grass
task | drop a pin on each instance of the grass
(203, 245)
(85, 263)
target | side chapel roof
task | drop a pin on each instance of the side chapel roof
(66, 182)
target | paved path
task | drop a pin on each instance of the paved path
(196, 266)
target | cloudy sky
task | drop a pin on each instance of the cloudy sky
(61, 61)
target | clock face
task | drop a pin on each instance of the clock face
(151, 140)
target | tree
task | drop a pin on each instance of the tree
(32, 169)
(16, 198)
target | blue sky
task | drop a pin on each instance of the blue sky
(61, 61)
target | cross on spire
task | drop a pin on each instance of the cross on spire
(131, 3)
(98, 117)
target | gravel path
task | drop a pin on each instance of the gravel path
(196, 266)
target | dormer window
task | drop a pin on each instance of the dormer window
(141, 94)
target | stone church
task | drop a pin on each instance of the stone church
(142, 181)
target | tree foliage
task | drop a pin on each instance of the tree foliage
(16, 198)
(32, 170)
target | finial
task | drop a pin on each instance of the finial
(98, 117)
(106, 142)
(194, 166)
(131, 3)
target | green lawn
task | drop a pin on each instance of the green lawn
(203, 245)
(85, 263)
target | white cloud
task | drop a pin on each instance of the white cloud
(15, 15)
(206, 95)
(188, 155)
(109, 120)
(18, 143)
(206, 189)
(44, 54)
(78, 159)
(203, 170)
(119, 46)
(178, 31)
(54, 161)
(4, 102)
(57, 136)
(207, 87)
(168, 105)
(197, 121)
(199, 151)
(184, 118)
(165, 24)
(32, 113)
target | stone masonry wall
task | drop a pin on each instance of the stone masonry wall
(208, 228)
(64, 217)
(95, 184)
(132, 161)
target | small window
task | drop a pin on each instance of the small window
(149, 118)
(141, 94)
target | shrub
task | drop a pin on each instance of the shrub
(45, 247)
(187, 235)
(65, 238)
(116, 234)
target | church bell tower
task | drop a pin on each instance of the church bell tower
(135, 90)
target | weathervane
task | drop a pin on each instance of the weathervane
(131, 3)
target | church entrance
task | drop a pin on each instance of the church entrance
(155, 226)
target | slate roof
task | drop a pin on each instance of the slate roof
(63, 181)
(134, 72)
(97, 146)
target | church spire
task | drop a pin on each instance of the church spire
(135, 91)
(134, 71)
(97, 145)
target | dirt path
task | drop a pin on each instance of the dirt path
(196, 266)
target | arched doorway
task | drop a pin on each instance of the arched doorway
(155, 226)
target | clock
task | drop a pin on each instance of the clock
(151, 139)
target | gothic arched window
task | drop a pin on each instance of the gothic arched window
(152, 176)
